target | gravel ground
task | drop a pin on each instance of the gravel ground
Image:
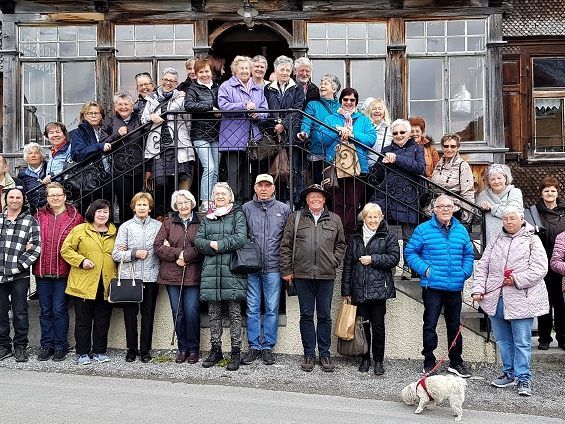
(346, 381)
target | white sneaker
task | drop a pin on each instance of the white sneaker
(100, 357)
(83, 360)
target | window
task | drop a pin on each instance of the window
(446, 62)
(549, 105)
(52, 58)
(158, 47)
(354, 52)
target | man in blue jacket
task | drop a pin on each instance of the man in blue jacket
(441, 251)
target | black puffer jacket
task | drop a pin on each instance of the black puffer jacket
(373, 281)
(199, 100)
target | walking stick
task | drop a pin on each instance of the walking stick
(178, 306)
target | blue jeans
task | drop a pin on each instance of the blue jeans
(268, 283)
(54, 314)
(514, 341)
(434, 301)
(315, 294)
(188, 320)
(209, 158)
(17, 292)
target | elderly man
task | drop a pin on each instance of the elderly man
(144, 84)
(20, 246)
(258, 70)
(441, 251)
(312, 248)
(303, 75)
(6, 181)
(266, 218)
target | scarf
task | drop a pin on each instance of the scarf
(162, 96)
(367, 234)
(215, 213)
(54, 149)
(347, 114)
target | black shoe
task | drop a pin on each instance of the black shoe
(268, 357)
(20, 352)
(235, 360)
(365, 365)
(379, 369)
(459, 370)
(33, 296)
(60, 355)
(45, 354)
(131, 355)
(214, 357)
(543, 346)
(249, 357)
(5, 352)
(145, 357)
(327, 364)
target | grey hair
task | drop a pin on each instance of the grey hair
(171, 71)
(443, 197)
(302, 61)
(402, 122)
(498, 168)
(190, 61)
(122, 95)
(32, 146)
(514, 209)
(184, 193)
(260, 58)
(239, 59)
(223, 185)
(333, 80)
(283, 60)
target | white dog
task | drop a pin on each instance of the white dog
(437, 389)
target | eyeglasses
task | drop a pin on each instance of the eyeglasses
(183, 204)
(93, 113)
(346, 100)
(444, 207)
(168, 81)
(450, 146)
(399, 132)
(145, 84)
(143, 74)
(55, 196)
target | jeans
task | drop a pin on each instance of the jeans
(54, 313)
(374, 311)
(147, 309)
(17, 291)
(188, 319)
(315, 294)
(269, 284)
(434, 301)
(514, 341)
(209, 158)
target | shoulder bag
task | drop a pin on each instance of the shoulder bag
(246, 259)
(291, 288)
(125, 290)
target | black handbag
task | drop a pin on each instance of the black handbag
(247, 259)
(125, 290)
(266, 147)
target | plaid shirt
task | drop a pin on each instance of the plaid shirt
(15, 260)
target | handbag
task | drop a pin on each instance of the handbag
(329, 177)
(344, 327)
(263, 148)
(246, 259)
(280, 167)
(357, 346)
(346, 161)
(125, 290)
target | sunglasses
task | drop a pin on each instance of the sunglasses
(345, 99)
(399, 132)
(143, 74)
(450, 146)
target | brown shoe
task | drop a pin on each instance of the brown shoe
(193, 358)
(308, 364)
(327, 364)
(181, 357)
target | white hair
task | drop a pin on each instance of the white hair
(283, 60)
(443, 197)
(498, 168)
(302, 61)
(32, 146)
(402, 122)
(226, 186)
(333, 80)
(171, 71)
(514, 209)
(184, 193)
(125, 95)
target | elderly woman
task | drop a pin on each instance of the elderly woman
(34, 175)
(399, 189)
(134, 251)
(378, 113)
(88, 249)
(430, 152)
(348, 123)
(164, 138)
(310, 130)
(51, 271)
(144, 86)
(60, 154)
(259, 69)
(126, 163)
(87, 139)
(181, 265)
(239, 93)
(222, 232)
(499, 194)
(202, 98)
(454, 174)
(508, 284)
(552, 213)
(372, 254)
(557, 264)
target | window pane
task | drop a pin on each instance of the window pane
(71, 114)
(127, 72)
(357, 47)
(333, 67)
(456, 28)
(549, 125)
(376, 31)
(87, 33)
(432, 113)
(48, 34)
(336, 46)
(124, 32)
(86, 48)
(164, 31)
(435, 44)
(29, 49)
(28, 33)
(367, 77)
(144, 48)
(549, 73)
(184, 32)
(144, 32)
(467, 119)
(466, 78)
(476, 27)
(184, 48)
(317, 46)
(34, 120)
(164, 48)
(67, 33)
(436, 28)
(125, 48)
(68, 49)
(78, 93)
(336, 31)
(316, 30)
(475, 44)
(39, 83)
(414, 29)
(425, 79)
(48, 50)
(377, 47)
(456, 44)
(357, 30)
(416, 45)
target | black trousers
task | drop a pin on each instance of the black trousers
(374, 311)
(147, 309)
(92, 322)
(124, 189)
(556, 315)
(237, 170)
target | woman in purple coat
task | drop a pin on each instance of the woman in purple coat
(239, 93)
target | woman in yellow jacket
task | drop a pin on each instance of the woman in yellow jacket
(88, 249)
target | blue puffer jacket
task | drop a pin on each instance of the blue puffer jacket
(363, 131)
(320, 110)
(446, 252)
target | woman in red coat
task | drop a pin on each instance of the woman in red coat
(56, 220)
